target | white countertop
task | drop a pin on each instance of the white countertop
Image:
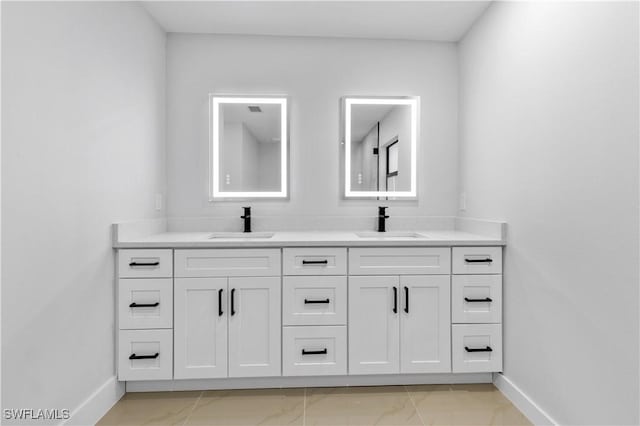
(307, 239)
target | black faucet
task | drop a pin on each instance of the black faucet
(247, 219)
(382, 215)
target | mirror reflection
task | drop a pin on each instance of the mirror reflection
(380, 139)
(249, 147)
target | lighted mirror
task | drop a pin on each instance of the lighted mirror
(380, 141)
(248, 147)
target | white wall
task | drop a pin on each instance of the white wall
(365, 162)
(82, 147)
(549, 137)
(250, 159)
(397, 123)
(268, 166)
(315, 73)
(231, 151)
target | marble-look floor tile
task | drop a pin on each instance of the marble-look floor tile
(475, 404)
(382, 405)
(480, 404)
(502, 416)
(151, 408)
(249, 407)
(431, 396)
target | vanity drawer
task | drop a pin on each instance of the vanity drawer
(145, 355)
(314, 261)
(476, 299)
(314, 351)
(477, 260)
(314, 301)
(145, 303)
(399, 261)
(227, 263)
(476, 348)
(139, 263)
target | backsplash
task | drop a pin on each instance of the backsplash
(309, 223)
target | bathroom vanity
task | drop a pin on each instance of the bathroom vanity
(227, 310)
(206, 310)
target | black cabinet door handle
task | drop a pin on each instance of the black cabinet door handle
(311, 301)
(406, 299)
(233, 308)
(320, 352)
(134, 356)
(486, 299)
(395, 299)
(487, 349)
(144, 305)
(220, 303)
(487, 260)
(315, 262)
(134, 264)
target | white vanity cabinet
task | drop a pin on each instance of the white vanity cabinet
(399, 323)
(227, 314)
(476, 331)
(227, 324)
(314, 311)
(145, 315)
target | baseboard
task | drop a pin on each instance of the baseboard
(97, 404)
(529, 408)
(316, 381)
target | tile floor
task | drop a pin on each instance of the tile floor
(479, 404)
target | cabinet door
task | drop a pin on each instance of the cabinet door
(425, 324)
(200, 328)
(374, 306)
(254, 326)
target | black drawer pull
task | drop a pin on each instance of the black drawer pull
(134, 356)
(395, 300)
(233, 303)
(134, 264)
(486, 299)
(315, 262)
(487, 349)
(406, 299)
(487, 260)
(144, 305)
(320, 352)
(220, 303)
(309, 302)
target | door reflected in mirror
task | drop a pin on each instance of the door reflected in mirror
(380, 147)
(249, 147)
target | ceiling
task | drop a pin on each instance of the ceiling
(403, 20)
(364, 117)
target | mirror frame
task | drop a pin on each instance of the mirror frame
(215, 100)
(414, 103)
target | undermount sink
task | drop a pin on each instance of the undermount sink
(396, 234)
(241, 235)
